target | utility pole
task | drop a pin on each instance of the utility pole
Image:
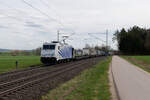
(106, 39)
(58, 35)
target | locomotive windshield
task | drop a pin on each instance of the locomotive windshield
(45, 47)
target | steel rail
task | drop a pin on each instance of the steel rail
(53, 75)
(24, 79)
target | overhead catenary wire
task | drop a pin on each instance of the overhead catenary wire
(50, 18)
(42, 1)
(96, 37)
(12, 8)
(40, 11)
(10, 16)
(50, 7)
(37, 9)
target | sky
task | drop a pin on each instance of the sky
(27, 24)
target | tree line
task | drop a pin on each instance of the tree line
(135, 40)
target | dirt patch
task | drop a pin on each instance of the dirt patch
(68, 92)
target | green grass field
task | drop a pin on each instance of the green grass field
(8, 63)
(145, 59)
(92, 84)
(141, 61)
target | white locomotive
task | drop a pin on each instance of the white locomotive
(56, 52)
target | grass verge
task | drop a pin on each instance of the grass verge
(7, 63)
(91, 84)
(140, 61)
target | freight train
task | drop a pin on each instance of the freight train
(57, 52)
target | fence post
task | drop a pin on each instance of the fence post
(16, 64)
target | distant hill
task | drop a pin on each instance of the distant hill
(9, 50)
(5, 50)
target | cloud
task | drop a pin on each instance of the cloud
(2, 26)
(26, 28)
(32, 24)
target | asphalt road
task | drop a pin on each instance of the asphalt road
(132, 82)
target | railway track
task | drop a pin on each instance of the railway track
(26, 72)
(53, 75)
(9, 85)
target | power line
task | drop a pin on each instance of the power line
(10, 16)
(33, 8)
(42, 1)
(96, 37)
(100, 38)
(50, 18)
(50, 7)
(45, 14)
(46, 4)
(10, 7)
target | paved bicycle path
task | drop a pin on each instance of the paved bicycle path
(132, 82)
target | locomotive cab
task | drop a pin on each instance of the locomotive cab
(54, 52)
(48, 53)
